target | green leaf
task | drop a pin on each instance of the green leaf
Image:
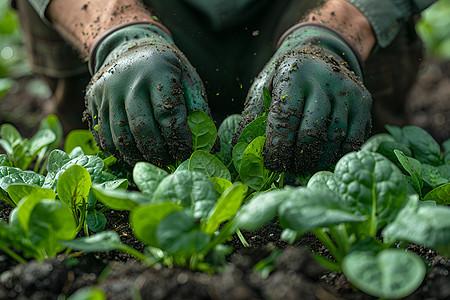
(435, 176)
(52, 122)
(73, 186)
(220, 185)
(254, 129)
(425, 225)
(119, 199)
(10, 134)
(18, 191)
(372, 184)
(81, 138)
(4, 161)
(413, 167)
(90, 292)
(204, 132)
(305, 209)
(102, 241)
(5, 85)
(42, 138)
(374, 142)
(95, 220)
(226, 132)
(26, 206)
(441, 194)
(117, 184)
(147, 177)
(252, 170)
(178, 233)
(189, 189)
(446, 146)
(27, 177)
(144, 220)
(208, 164)
(423, 145)
(226, 206)
(238, 152)
(387, 149)
(396, 133)
(51, 222)
(261, 209)
(390, 274)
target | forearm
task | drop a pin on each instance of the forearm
(348, 20)
(82, 23)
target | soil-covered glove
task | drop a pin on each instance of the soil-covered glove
(320, 108)
(141, 94)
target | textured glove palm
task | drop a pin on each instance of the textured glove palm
(319, 108)
(141, 94)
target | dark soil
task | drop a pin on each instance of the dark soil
(297, 275)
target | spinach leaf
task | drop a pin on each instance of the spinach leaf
(255, 128)
(226, 132)
(120, 199)
(238, 152)
(208, 164)
(423, 145)
(95, 220)
(252, 170)
(83, 139)
(441, 194)
(204, 132)
(147, 177)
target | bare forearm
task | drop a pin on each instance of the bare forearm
(348, 20)
(81, 23)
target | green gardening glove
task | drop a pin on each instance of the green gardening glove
(141, 94)
(320, 108)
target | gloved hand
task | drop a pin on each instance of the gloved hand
(320, 108)
(141, 94)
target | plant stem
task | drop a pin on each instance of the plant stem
(242, 239)
(325, 239)
(13, 255)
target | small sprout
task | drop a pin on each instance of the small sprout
(96, 127)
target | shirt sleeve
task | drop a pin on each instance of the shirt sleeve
(388, 16)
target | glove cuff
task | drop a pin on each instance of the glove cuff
(115, 37)
(328, 38)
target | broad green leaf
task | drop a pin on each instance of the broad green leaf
(441, 194)
(117, 184)
(208, 164)
(56, 160)
(147, 177)
(51, 222)
(396, 133)
(102, 241)
(446, 146)
(145, 219)
(42, 138)
(90, 293)
(95, 220)
(52, 122)
(26, 206)
(226, 132)
(374, 142)
(6, 171)
(261, 209)
(413, 167)
(425, 225)
(120, 199)
(10, 134)
(252, 170)
(226, 206)
(423, 145)
(390, 274)
(368, 181)
(73, 186)
(387, 149)
(220, 185)
(81, 138)
(27, 177)
(238, 152)
(204, 132)
(323, 179)
(254, 129)
(187, 188)
(305, 209)
(435, 176)
(184, 166)
(7, 147)
(75, 152)
(179, 233)
(18, 191)
(4, 161)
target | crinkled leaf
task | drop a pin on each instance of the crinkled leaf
(81, 138)
(179, 233)
(27, 177)
(309, 208)
(252, 170)
(390, 274)
(226, 132)
(147, 177)
(120, 199)
(255, 128)
(323, 179)
(424, 225)
(441, 194)
(204, 132)
(144, 220)
(435, 176)
(4, 161)
(374, 142)
(187, 188)
(73, 186)
(226, 206)
(208, 164)
(423, 145)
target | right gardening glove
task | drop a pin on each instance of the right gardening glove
(141, 93)
(320, 109)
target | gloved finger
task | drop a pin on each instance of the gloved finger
(169, 107)
(143, 126)
(193, 89)
(121, 134)
(359, 119)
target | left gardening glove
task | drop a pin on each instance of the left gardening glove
(141, 93)
(320, 108)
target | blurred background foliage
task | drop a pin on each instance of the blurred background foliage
(433, 28)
